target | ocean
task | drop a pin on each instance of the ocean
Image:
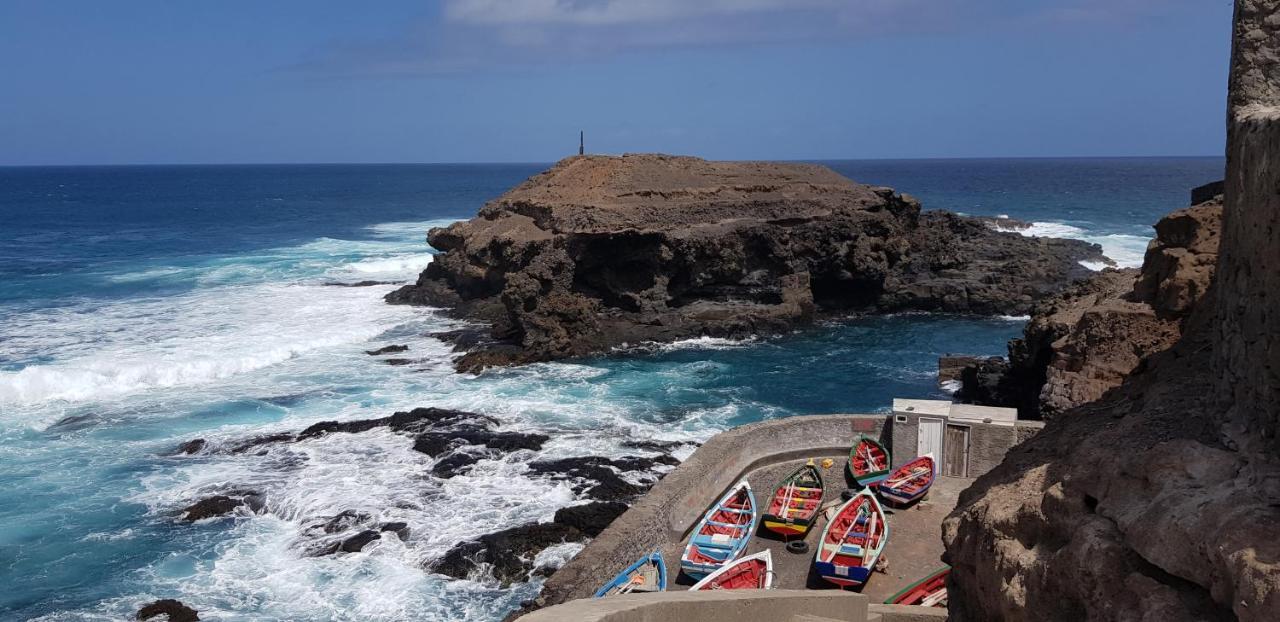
(141, 307)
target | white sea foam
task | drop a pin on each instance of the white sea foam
(1125, 250)
(951, 386)
(114, 349)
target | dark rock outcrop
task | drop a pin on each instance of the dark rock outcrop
(173, 609)
(603, 251)
(591, 518)
(507, 554)
(1161, 500)
(221, 505)
(600, 478)
(387, 350)
(193, 446)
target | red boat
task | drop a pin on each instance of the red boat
(910, 481)
(852, 542)
(868, 461)
(753, 572)
(795, 502)
(930, 591)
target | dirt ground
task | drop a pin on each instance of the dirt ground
(914, 549)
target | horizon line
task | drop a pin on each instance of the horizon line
(546, 162)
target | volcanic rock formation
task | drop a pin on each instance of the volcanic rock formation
(1161, 500)
(601, 251)
(1089, 338)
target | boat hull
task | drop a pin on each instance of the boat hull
(844, 576)
(655, 559)
(709, 547)
(870, 478)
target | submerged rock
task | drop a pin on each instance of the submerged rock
(173, 609)
(600, 251)
(387, 350)
(507, 554)
(193, 446)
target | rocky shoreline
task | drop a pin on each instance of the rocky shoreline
(600, 252)
(1086, 340)
(1161, 499)
(454, 441)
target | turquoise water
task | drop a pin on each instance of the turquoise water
(144, 306)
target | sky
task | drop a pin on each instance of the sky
(248, 81)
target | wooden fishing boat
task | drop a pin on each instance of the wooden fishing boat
(795, 502)
(930, 591)
(647, 574)
(910, 481)
(868, 461)
(852, 542)
(722, 533)
(753, 572)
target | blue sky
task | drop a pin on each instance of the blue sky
(157, 81)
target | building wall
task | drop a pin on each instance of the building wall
(988, 443)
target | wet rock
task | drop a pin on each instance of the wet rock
(435, 443)
(259, 441)
(398, 362)
(359, 284)
(457, 463)
(347, 519)
(356, 543)
(592, 518)
(220, 505)
(400, 529)
(387, 350)
(173, 609)
(193, 446)
(508, 554)
(609, 485)
(665, 447)
(412, 421)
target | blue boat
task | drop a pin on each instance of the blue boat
(647, 574)
(723, 532)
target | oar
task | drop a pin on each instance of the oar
(871, 532)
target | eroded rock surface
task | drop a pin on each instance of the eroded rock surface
(1161, 500)
(602, 251)
(1086, 340)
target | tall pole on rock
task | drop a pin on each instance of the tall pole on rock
(581, 143)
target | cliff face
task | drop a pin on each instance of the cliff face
(601, 251)
(1086, 340)
(1161, 500)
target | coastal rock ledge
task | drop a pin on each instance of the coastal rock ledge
(601, 251)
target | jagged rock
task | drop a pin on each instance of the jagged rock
(591, 518)
(347, 519)
(400, 529)
(457, 463)
(173, 609)
(193, 446)
(1161, 500)
(1087, 339)
(508, 553)
(360, 284)
(412, 421)
(1179, 263)
(600, 251)
(356, 543)
(220, 505)
(398, 362)
(436, 443)
(609, 485)
(657, 446)
(387, 350)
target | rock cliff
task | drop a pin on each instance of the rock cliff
(1161, 500)
(1086, 340)
(599, 252)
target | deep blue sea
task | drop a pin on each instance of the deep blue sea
(144, 306)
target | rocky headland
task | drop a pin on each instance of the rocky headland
(1161, 499)
(600, 252)
(1087, 339)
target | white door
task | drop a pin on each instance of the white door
(930, 439)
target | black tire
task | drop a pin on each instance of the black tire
(799, 547)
